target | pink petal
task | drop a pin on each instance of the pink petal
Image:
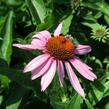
(48, 77)
(61, 72)
(25, 46)
(74, 80)
(58, 30)
(84, 63)
(38, 44)
(41, 70)
(43, 35)
(82, 49)
(36, 62)
(86, 68)
(35, 44)
(83, 69)
(37, 70)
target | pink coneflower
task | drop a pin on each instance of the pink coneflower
(57, 51)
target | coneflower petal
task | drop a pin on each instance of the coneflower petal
(41, 71)
(82, 69)
(40, 45)
(36, 62)
(61, 72)
(74, 80)
(82, 49)
(25, 46)
(43, 35)
(58, 30)
(48, 77)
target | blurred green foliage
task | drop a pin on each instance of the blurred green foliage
(86, 20)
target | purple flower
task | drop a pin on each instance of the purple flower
(57, 51)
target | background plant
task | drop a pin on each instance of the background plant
(86, 20)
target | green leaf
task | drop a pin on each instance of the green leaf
(6, 47)
(97, 5)
(4, 81)
(18, 77)
(15, 95)
(88, 104)
(14, 106)
(107, 106)
(92, 25)
(106, 18)
(66, 24)
(13, 2)
(1, 99)
(49, 22)
(98, 92)
(104, 8)
(2, 20)
(37, 9)
(75, 102)
(57, 95)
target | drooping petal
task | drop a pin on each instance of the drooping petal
(83, 69)
(37, 70)
(82, 49)
(58, 30)
(86, 68)
(36, 62)
(41, 70)
(61, 72)
(84, 63)
(48, 77)
(74, 80)
(43, 35)
(25, 46)
(35, 44)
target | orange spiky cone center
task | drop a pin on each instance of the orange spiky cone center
(61, 48)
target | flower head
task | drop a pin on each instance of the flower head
(100, 33)
(57, 51)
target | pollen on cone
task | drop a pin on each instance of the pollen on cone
(60, 47)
